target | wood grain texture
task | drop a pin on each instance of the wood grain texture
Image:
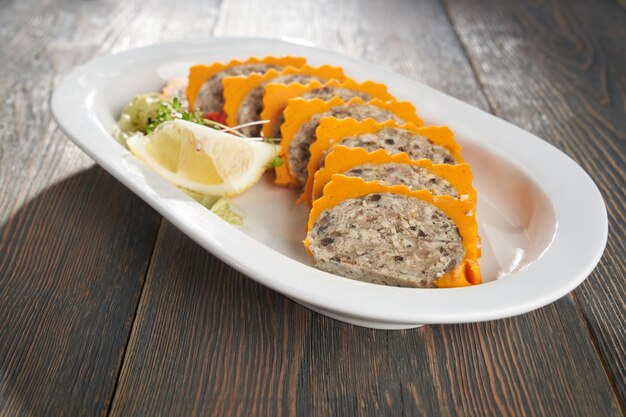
(564, 64)
(207, 341)
(366, 29)
(525, 366)
(72, 263)
(74, 243)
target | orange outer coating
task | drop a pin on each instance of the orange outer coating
(277, 95)
(198, 74)
(462, 213)
(332, 130)
(300, 111)
(237, 88)
(342, 158)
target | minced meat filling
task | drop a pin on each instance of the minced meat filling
(299, 153)
(287, 79)
(414, 177)
(389, 239)
(210, 98)
(252, 105)
(395, 140)
(327, 93)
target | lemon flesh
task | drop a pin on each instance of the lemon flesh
(202, 159)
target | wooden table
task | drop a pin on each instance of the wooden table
(108, 310)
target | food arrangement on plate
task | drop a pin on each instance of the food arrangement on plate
(526, 186)
(391, 199)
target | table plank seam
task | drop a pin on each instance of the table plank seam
(149, 267)
(596, 346)
(578, 303)
(470, 61)
(122, 360)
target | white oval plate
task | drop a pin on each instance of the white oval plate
(542, 220)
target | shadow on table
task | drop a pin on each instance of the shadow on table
(89, 304)
(204, 339)
(209, 341)
(72, 262)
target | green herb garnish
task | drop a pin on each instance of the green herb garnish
(174, 110)
(276, 162)
(163, 114)
(170, 111)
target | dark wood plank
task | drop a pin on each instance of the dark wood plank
(209, 342)
(420, 34)
(525, 366)
(557, 70)
(72, 262)
(74, 243)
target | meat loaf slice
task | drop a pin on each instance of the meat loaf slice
(210, 98)
(325, 94)
(386, 238)
(414, 177)
(396, 140)
(252, 105)
(381, 167)
(298, 153)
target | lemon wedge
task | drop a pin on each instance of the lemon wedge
(202, 159)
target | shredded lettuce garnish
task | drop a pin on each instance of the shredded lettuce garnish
(222, 208)
(218, 205)
(136, 116)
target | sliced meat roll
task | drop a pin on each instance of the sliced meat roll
(277, 96)
(298, 153)
(252, 105)
(396, 169)
(395, 140)
(432, 142)
(325, 94)
(302, 118)
(393, 236)
(210, 98)
(243, 95)
(356, 239)
(205, 91)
